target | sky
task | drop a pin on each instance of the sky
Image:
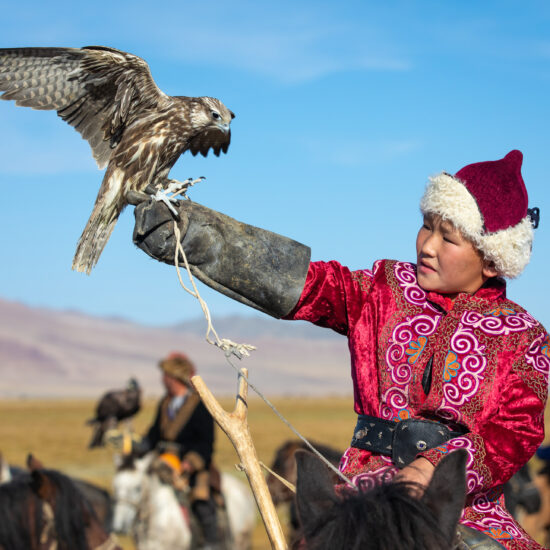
(343, 110)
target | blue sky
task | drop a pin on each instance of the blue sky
(343, 111)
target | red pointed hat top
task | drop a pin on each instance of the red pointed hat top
(499, 190)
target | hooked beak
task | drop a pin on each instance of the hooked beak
(223, 126)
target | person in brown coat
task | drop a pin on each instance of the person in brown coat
(184, 427)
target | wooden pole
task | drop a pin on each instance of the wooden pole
(235, 426)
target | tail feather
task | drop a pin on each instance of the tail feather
(95, 237)
(97, 437)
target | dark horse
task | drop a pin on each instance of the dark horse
(99, 498)
(43, 510)
(284, 465)
(387, 517)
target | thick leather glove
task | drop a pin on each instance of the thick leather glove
(121, 441)
(251, 265)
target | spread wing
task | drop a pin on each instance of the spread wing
(97, 90)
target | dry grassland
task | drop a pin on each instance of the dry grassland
(55, 432)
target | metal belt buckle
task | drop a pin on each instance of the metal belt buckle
(413, 436)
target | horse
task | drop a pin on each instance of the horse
(536, 521)
(521, 495)
(99, 498)
(44, 510)
(146, 506)
(387, 516)
(284, 465)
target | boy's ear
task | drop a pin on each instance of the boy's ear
(489, 269)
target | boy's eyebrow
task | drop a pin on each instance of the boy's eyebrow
(446, 225)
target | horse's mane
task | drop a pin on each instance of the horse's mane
(15, 504)
(387, 516)
(72, 513)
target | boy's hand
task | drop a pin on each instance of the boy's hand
(419, 472)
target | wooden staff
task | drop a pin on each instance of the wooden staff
(235, 426)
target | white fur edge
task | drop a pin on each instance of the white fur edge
(509, 249)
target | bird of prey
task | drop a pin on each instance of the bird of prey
(114, 406)
(133, 128)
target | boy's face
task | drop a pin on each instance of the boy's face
(447, 262)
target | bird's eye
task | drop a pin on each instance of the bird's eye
(215, 115)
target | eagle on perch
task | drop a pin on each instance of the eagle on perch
(133, 128)
(114, 406)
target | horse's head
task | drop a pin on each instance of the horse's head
(127, 491)
(388, 516)
(284, 465)
(68, 518)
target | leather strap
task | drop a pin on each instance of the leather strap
(171, 428)
(403, 440)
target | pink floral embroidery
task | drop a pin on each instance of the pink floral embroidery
(405, 273)
(537, 355)
(497, 522)
(408, 340)
(369, 480)
(463, 374)
(504, 324)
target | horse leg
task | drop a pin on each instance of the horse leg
(206, 514)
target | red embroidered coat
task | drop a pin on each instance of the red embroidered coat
(489, 373)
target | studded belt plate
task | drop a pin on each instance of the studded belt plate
(401, 440)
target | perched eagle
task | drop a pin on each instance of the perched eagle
(113, 407)
(133, 128)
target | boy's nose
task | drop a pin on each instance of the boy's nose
(429, 245)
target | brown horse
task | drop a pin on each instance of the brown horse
(44, 510)
(99, 498)
(284, 465)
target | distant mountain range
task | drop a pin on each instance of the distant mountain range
(50, 353)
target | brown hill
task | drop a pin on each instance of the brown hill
(60, 353)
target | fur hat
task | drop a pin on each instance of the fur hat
(487, 202)
(179, 366)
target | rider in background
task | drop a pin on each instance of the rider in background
(183, 427)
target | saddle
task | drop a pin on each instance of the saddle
(168, 466)
(470, 539)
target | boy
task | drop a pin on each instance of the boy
(440, 358)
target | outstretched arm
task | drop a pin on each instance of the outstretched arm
(251, 265)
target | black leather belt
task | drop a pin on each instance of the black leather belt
(401, 440)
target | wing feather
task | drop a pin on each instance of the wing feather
(97, 90)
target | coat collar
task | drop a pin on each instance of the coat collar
(491, 291)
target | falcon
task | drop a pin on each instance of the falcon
(114, 406)
(134, 129)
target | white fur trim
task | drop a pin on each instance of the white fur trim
(509, 249)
